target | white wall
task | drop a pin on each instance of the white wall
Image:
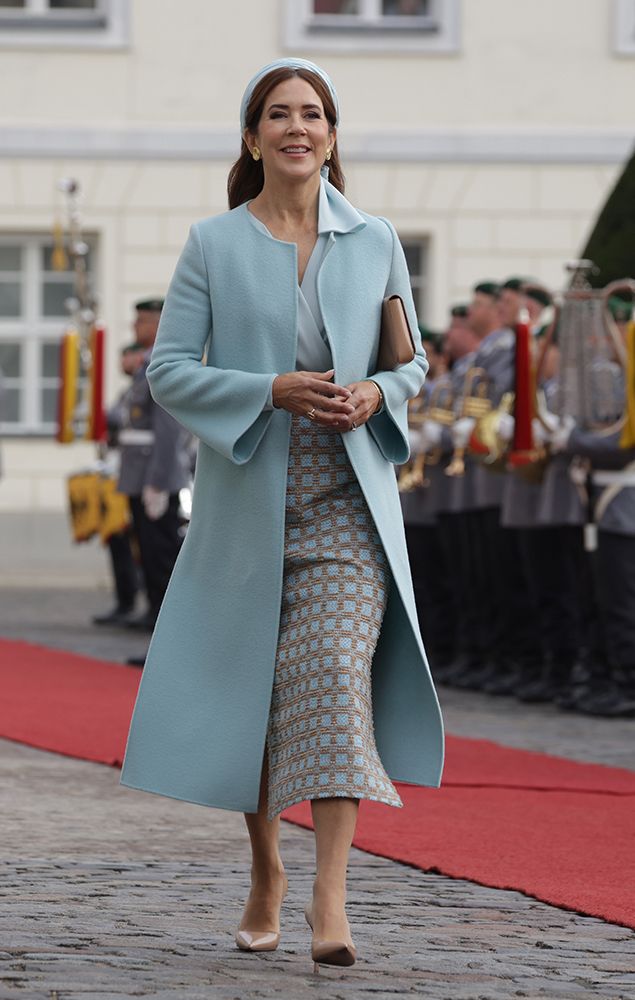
(550, 73)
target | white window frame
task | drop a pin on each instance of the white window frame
(36, 25)
(418, 282)
(624, 27)
(32, 330)
(371, 31)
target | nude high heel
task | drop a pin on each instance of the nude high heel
(329, 952)
(250, 940)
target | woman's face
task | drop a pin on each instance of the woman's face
(293, 132)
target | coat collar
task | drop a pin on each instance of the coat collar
(335, 212)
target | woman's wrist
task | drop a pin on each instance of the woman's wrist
(380, 401)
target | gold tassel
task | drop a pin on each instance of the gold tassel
(59, 257)
(627, 439)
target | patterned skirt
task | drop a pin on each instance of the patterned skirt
(320, 736)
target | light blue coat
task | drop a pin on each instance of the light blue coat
(199, 725)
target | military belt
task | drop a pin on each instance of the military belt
(618, 477)
(130, 435)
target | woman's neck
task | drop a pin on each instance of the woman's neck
(288, 206)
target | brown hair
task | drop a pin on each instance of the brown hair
(246, 177)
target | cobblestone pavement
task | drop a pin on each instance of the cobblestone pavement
(110, 893)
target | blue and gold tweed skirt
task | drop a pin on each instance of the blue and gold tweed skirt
(320, 737)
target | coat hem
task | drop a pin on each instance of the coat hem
(182, 798)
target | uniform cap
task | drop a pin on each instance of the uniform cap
(538, 294)
(488, 288)
(620, 310)
(513, 284)
(460, 310)
(149, 305)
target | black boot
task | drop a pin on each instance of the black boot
(511, 678)
(118, 616)
(616, 701)
(553, 682)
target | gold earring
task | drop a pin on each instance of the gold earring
(255, 153)
(328, 154)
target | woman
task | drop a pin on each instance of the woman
(257, 687)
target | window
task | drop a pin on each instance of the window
(624, 27)
(416, 251)
(372, 25)
(74, 23)
(32, 319)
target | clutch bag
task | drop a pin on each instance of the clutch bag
(396, 343)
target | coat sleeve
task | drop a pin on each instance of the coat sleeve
(390, 427)
(222, 407)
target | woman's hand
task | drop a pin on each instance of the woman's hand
(366, 399)
(314, 395)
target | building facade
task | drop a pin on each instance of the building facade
(490, 139)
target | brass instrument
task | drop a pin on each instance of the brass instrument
(473, 404)
(485, 444)
(412, 475)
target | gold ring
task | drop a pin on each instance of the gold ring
(311, 413)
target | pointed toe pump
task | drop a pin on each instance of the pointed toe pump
(252, 940)
(326, 952)
(257, 940)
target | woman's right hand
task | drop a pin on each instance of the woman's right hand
(314, 393)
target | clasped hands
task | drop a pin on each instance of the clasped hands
(315, 395)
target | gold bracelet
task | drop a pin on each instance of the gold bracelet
(381, 396)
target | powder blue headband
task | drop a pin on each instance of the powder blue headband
(286, 64)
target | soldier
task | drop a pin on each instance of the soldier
(433, 594)
(124, 567)
(154, 468)
(609, 689)
(451, 497)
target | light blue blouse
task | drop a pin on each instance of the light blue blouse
(313, 353)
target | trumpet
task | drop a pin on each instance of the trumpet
(412, 475)
(473, 404)
(406, 481)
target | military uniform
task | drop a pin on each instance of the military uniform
(154, 453)
(611, 688)
(434, 595)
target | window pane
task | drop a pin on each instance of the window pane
(10, 257)
(72, 4)
(10, 405)
(336, 6)
(50, 360)
(10, 359)
(48, 402)
(9, 298)
(54, 297)
(413, 258)
(411, 8)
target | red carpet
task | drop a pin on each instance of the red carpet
(557, 830)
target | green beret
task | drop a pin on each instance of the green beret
(620, 309)
(460, 310)
(488, 288)
(513, 284)
(149, 305)
(538, 294)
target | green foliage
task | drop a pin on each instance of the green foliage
(611, 245)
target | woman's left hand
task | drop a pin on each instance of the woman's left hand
(365, 398)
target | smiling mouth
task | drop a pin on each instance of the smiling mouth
(295, 150)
